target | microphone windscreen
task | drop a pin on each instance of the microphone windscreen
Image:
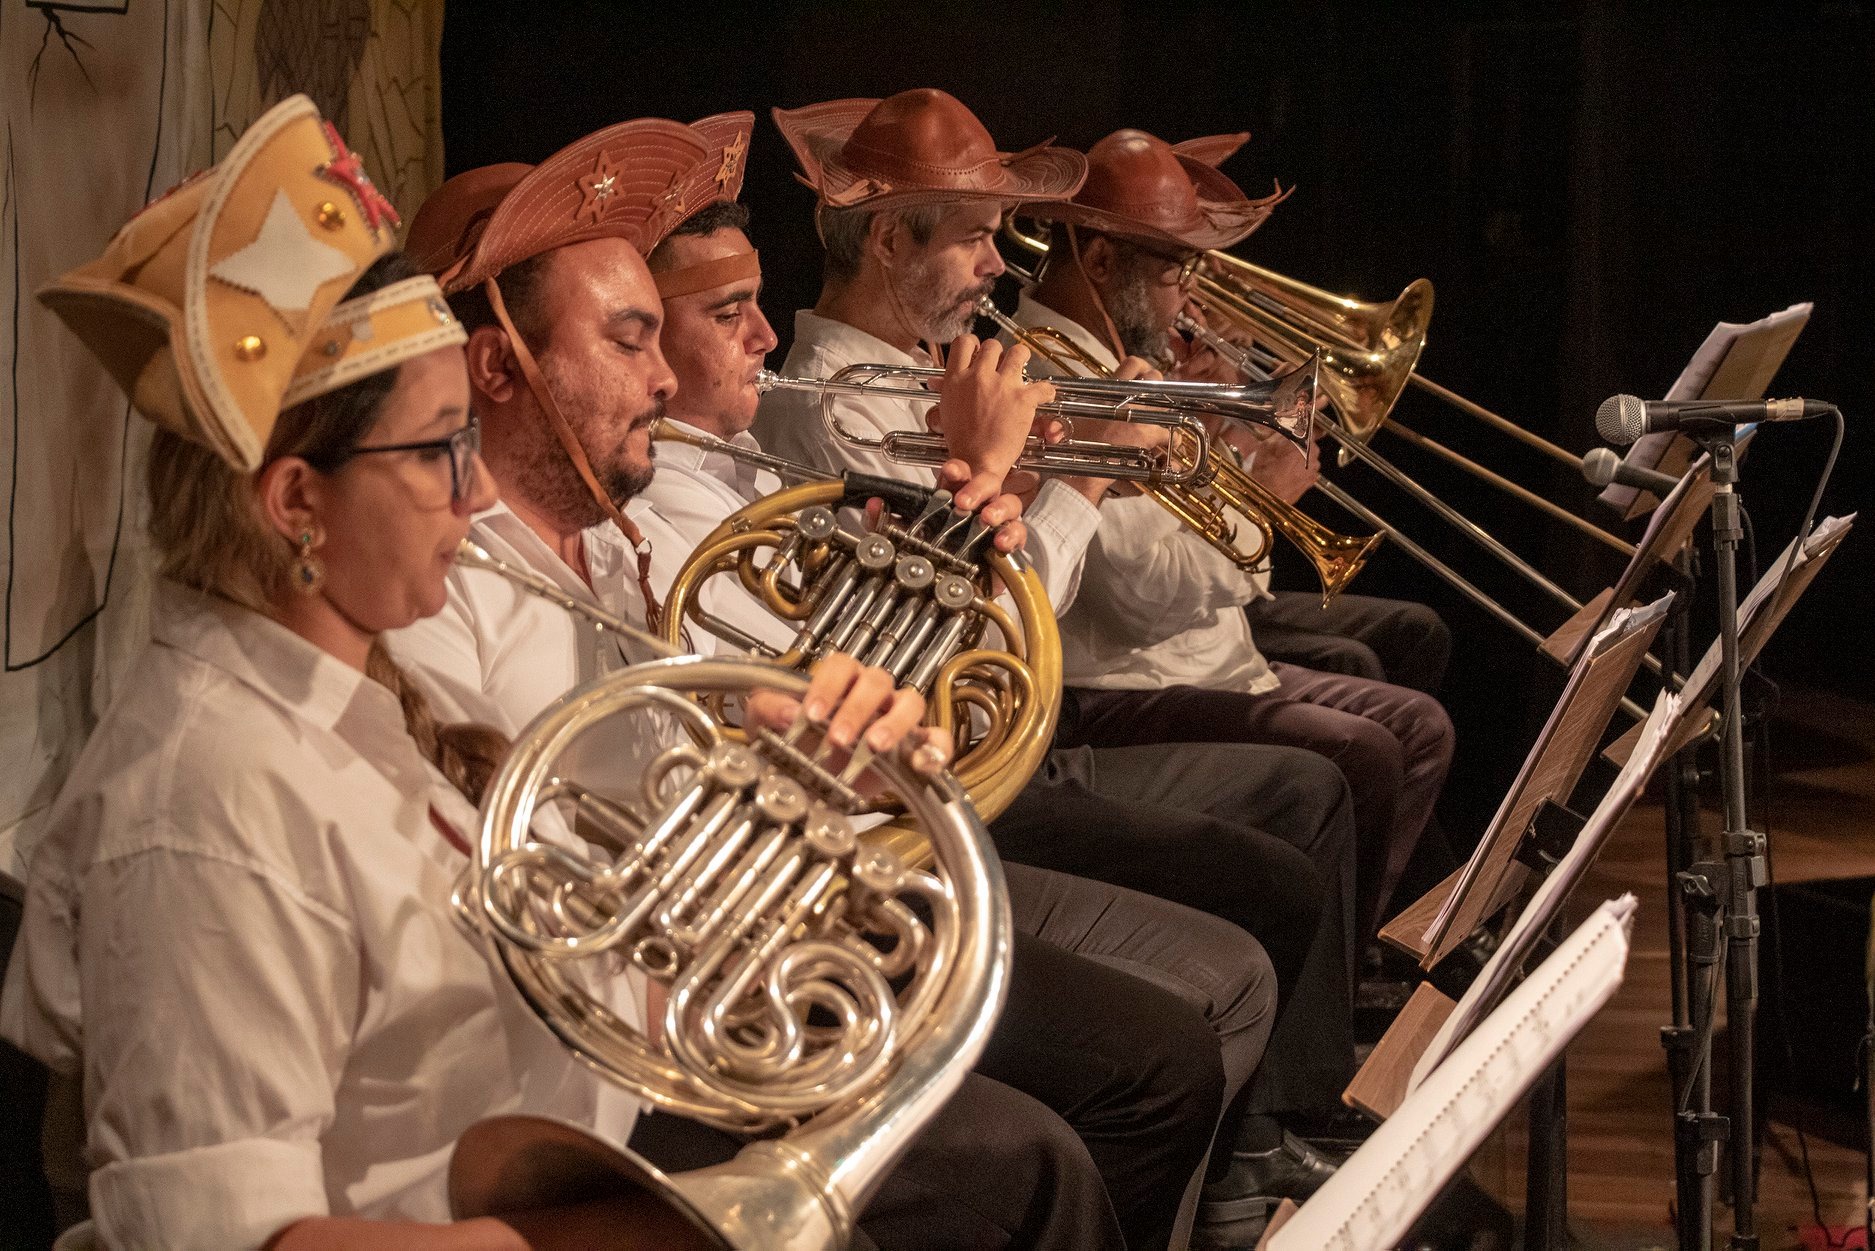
(1621, 419)
(1599, 466)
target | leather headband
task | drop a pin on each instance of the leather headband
(704, 275)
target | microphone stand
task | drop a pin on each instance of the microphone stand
(1720, 897)
(1697, 1131)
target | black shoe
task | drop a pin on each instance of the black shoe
(1232, 1224)
(1337, 1130)
(1293, 1169)
(1234, 1210)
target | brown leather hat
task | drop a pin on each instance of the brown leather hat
(635, 181)
(1141, 187)
(917, 147)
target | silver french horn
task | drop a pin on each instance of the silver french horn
(813, 983)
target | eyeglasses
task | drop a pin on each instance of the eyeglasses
(462, 447)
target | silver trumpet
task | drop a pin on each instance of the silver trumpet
(1286, 405)
(813, 982)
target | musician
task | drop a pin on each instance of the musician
(907, 256)
(238, 931)
(715, 337)
(564, 318)
(1160, 609)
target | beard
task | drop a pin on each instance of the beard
(622, 479)
(548, 478)
(942, 312)
(1142, 329)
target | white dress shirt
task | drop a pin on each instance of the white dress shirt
(500, 654)
(1060, 522)
(1159, 606)
(238, 932)
(693, 491)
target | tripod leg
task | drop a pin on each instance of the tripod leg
(1546, 1181)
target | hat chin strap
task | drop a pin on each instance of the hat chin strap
(1100, 304)
(570, 444)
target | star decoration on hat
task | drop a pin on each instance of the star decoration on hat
(348, 170)
(598, 187)
(673, 206)
(732, 159)
(284, 265)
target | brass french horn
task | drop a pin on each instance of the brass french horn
(917, 596)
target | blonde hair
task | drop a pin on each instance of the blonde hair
(208, 528)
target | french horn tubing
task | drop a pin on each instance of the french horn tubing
(813, 982)
(917, 596)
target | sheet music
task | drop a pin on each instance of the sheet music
(1765, 344)
(1825, 534)
(1622, 623)
(1488, 988)
(1376, 1195)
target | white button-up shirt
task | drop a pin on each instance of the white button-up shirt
(693, 491)
(238, 931)
(1159, 606)
(1060, 522)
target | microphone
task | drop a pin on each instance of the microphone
(1624, 418)
(1602, 467)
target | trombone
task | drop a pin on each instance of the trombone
(1368, 354)
(1395, 333)
(1205, 508)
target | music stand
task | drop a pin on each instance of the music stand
(1441, 921)
(1668, 532)
(1377, 1194)
(1758, 618)
(1736, 362)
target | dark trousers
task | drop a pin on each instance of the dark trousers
(1096, 1098)
(1260, 837)
(1382, 640)
(1392, 745)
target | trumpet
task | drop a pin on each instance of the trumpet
(1286, 405)
(1205, 507)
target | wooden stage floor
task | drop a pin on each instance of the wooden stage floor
(1621, 1156)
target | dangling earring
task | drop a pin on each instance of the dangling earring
(308, 574)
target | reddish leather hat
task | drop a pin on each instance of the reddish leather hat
(635, 181)
(1141, 187)
(917, 147)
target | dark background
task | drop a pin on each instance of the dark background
(1589, 187)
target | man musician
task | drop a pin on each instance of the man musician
(1157, 643)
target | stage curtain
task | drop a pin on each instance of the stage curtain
(106, 104)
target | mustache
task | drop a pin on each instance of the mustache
(651, 415)
(975, 294)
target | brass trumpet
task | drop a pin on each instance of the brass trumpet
(1205, 507)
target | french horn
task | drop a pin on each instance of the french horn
(916, 595)
(813, 983)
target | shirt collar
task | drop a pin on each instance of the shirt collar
(846, 342)
(260, 653)
(1031, 312)
(690, 458)
(605, 548)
